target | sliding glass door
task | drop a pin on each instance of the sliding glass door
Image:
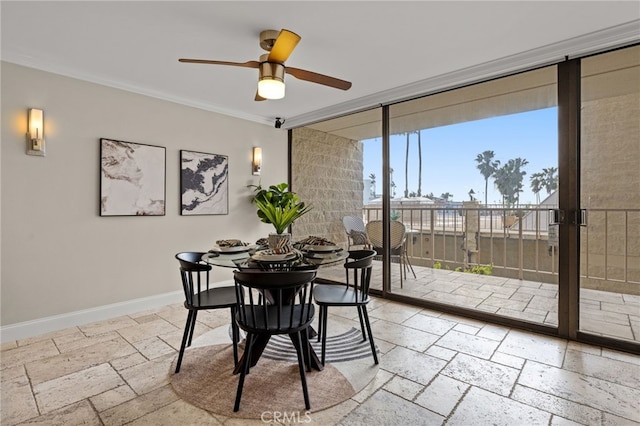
(610, 195)
(517, 199)
(474, 175)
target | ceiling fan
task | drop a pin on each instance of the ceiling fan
(271, 66)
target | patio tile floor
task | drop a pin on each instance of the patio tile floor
(603, 313)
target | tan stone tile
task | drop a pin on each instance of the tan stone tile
(558, 406)
(79, 413)
(605, 327)
(621, 356)
(24, 354)
(612, 370)
(12, 372)
(478, 372)
(375, 411)
(394, 312)
(128, 361)
(532, 315)
(535, 347)
(71, 362)
(493, 332)
(616, 399)
(8, 345)
(112, 397)
(583, 347)
(467, 329)
(149, 375)
(429, 323)
(440, 352)
(73, 342)
(153, 347)
(480, 407)
(145, 318)
(380, 379)
(508, 360)
(404, 388)
(75, 387)
(177, 413)
(609, 419)
(561, 421)
(468, 344)
(112, 324)
(139, 332)
(333, 415)
(17, 400)
(415, 366)
(47, 336)
(138, 407)
(402, 336)
(442, 395)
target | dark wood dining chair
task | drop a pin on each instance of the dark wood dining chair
(199, 296)
(354, 292)
(270, 303)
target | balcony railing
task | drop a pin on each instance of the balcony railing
(520, 243)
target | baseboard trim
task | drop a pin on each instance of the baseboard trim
(23, 330)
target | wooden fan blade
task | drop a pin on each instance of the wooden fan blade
(248, 64)
(314, 77)
(284, 45)
(259, 98)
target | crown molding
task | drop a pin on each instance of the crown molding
(15, 57)
(598, 41)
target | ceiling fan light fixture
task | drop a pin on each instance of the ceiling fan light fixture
(271, 81)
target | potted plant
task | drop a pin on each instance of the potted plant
(280, 208)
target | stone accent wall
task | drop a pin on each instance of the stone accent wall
(327, 172)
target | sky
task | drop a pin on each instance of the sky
(449, 154)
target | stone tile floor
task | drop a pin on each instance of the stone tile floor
(609, 314)
(434, 369)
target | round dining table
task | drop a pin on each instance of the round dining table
(253, 259)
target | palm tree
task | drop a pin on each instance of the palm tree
(537, 183)
(393, 184)
(550, 179)
(419, 165)
(508, 180)
(446, 196)
(406, 169)
(487, 168)
(518, 176)
(372, 177)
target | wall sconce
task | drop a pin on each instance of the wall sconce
(35, 132)
(256, 164)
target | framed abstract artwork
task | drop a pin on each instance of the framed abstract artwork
(132, 179)
(204, 183)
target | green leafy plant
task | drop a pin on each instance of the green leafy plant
(476, 269)
(278, 206)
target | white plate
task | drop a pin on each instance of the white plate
(236, 249)
(273, 257)
(319, 248)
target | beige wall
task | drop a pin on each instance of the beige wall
(58, 254)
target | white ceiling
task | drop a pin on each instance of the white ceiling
(389, 50)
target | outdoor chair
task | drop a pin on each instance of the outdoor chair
(398, 244)
(356, 232)
(199, 296)
(354, 292)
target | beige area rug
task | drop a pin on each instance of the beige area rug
(206, 381)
